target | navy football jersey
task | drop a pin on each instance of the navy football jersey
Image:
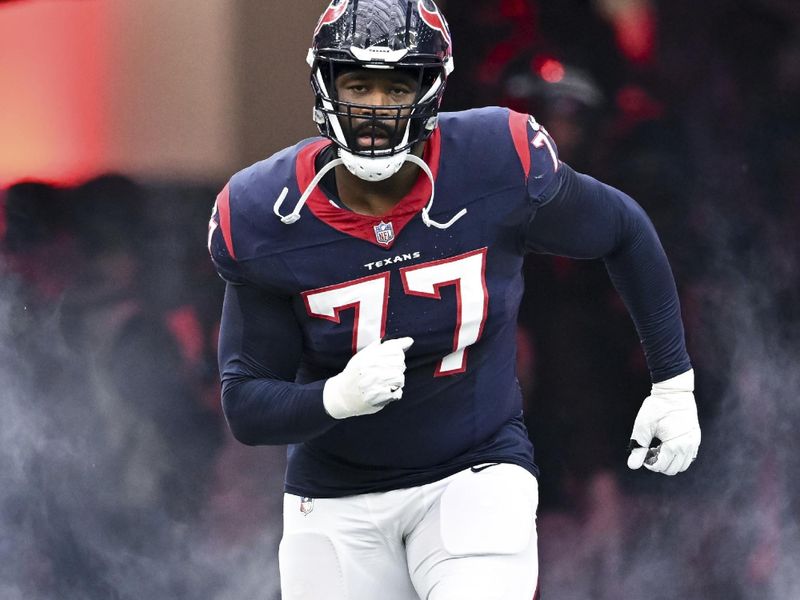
(302, 298)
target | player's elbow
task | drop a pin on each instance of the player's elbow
(242, 433)
(237, 416)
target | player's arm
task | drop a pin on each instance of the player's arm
(585, 218)
(577, 216)
(588, 219)
(260, 349)
(260, 346)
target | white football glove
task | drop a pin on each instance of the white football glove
(669, 413)
(373, 378)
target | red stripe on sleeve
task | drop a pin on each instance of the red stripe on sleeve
(518, 124)
(224, 209)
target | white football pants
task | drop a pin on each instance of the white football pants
(470, 536)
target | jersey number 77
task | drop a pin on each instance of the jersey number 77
(369, 298)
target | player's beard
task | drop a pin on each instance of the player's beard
(375, 134)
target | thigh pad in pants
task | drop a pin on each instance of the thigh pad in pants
(310, 568)
(492, 511)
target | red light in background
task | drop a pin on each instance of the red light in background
(551, 70)
(514, 9)
(52, 90)
(635, 25)
(3, 220)
(636, 34)
(637, 104)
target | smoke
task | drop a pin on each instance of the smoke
(90, 505)
(17, 443)
(84, 512)
(751, 332)
(730, 526)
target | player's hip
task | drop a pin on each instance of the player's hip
(480, 520)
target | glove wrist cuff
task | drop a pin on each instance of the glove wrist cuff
(680, 383)
(334, 400)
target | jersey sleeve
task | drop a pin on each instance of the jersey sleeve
(220, 239)
(260, 349)
(538, 156)
(588, 219)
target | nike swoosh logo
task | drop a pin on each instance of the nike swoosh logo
(480, 468)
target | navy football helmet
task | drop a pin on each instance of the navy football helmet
(411, 35)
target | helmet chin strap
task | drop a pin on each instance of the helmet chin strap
(379, 168)
(294, 216)
(426, 211)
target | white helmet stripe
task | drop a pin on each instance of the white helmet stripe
(332, 119)
(380, 54)
(433, 90)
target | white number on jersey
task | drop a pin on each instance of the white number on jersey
(467, 273)
(369, 297)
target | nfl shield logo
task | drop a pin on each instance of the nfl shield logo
(384, 233)
(306, 505)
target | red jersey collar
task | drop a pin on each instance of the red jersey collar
(380, 230)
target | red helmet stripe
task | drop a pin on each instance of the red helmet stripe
(518, 123)
(332, 14)
(434, 20)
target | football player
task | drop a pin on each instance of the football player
(373, 282)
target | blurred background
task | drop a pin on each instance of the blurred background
(119, 123)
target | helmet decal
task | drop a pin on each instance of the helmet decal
(333, 13)
(434, 20)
